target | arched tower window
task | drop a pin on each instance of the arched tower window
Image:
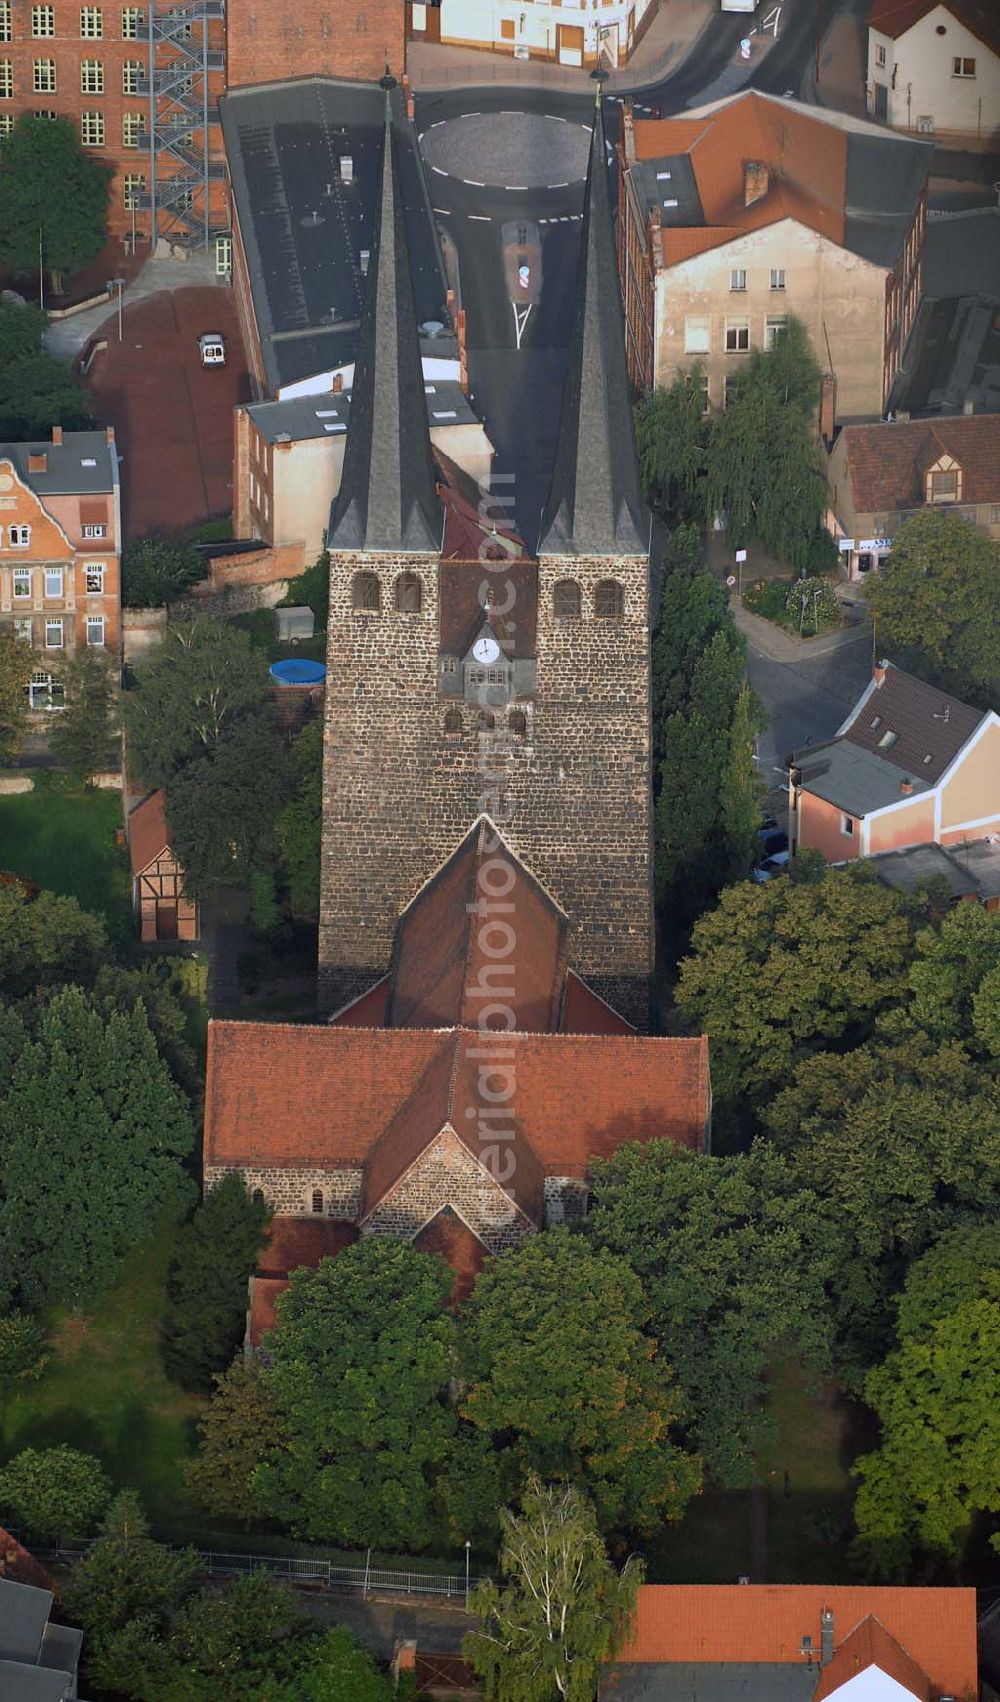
(453, 724)
(486, 721)
(566, 600)
(366, 593)
(317, 1200)
(517, 722)
(258, 1196)
(609, 600)
(409, 594)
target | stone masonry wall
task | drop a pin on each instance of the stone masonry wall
(289, 1192)
(565, 1200)
(573, 799)
(447, 1175)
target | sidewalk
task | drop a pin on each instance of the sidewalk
(66, 337)
(771, 641)
(668, 40)
(842, 66)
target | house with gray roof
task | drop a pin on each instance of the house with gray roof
(38, 1659)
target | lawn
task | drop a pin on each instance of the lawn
(63, 838)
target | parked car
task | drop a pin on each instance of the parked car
(774, 842)
(212, 348)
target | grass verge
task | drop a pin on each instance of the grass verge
(63, 838)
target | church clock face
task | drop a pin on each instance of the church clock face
(486, 650)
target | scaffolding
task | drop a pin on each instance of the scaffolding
(182, 112)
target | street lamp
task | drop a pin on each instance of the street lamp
(468, 1546)
(119, 285)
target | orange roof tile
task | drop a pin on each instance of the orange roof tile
(368, 1011)
(870, 1644)
(894, 17)
(21, 1567)
(148, 833)
(657, 137)
(682, 242)
(293, 1241)
(887, 462)
(458, 1246)
(766, 1622)
(585, 1012)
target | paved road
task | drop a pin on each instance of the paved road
(807, 699)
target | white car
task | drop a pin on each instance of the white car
(212, 348)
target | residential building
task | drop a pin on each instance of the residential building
(735, 216)
(880, 474)
(164, 910)
(412, 1114)
(60, 549)
(934, 67)
(567, 34)
(910, 766)
(797, 1643)
(38, 1659)
(141, 86)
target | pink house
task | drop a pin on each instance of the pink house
(910, 767)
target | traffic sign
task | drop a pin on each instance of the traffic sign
(730, 579)
(745, 48)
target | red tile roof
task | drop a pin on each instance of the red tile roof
(887, 463)
(870, 1644)
(458, 1246)
(680, 242)
(766, 1622)
(585, 1012)
(264, 1293)
(928, 724)
(657, 137)
(368, 1011)
(465, 530)
(294, 1241)
(148, 833)
(21, 1567)
(894, 17)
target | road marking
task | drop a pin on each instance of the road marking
(473, 183)
(441, 210)
(480, 218)
(557, 120)
(437, 124)
(520, 319)
(557, 185)
(440, 173)
(472, 115)
(517, 186)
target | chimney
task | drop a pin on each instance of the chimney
(57, 435)
(826, 1636)
(38, 461)
(404, 1659)
(879, 670)
(906, 787)
(109, 434)
(969, 405)
(827, 406)
(338, 383)
(755, 181)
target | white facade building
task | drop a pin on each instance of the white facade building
(576, 32)
(934, 66)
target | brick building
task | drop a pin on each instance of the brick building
(141, 86)
(754, 208)
(519, 688)
(60, 544)
(267, 43)
(163, 909)
(460, 1102)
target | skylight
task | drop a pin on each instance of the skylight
(887, 740)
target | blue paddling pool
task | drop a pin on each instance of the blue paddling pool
(298, 673)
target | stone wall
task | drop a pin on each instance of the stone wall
(237, 600)
(446, 1174)
(142, 631)
(565, 1200)
(289, 1192)
(573, 798)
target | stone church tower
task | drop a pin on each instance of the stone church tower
(506, 686)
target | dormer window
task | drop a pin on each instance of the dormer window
(944, 481)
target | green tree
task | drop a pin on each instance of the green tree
(934, 606)
(223, 807)
(125, 1576)
(814, 604)
(92, 1132)
(223, 1635)
(939, 1460)
(779, 970)
(23, 1356)
(154, 986)
(561, 1610)
(159, 570)
(327, 1666)
(53, 199)
(53, 1492)
(952, 961)
(16, 663)
(564, 1379)
(82, 736)
(198, 684)
(359, 1365)
(37, 391)
(733, 1254)
(46, 940)
(22, 327)
(741, 791)
(300, 823)
(205, 1312)
(963, 1264)
(311, 590)
(986, 1014)
(237, 1431)
(670, 434)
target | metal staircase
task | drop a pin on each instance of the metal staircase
(183, 109)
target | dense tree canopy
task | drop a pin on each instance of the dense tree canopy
(300, 823)
(935, 608)
(52, 1492)
(53, 198)
(126, 1576)
(237, 1431)
(197, 685)
(359, 1365)
(564, 1379)
(37, 391)
(46, 940)
(159, 570)
(16, 663)
(733, 1254)
(82, 736)
(214, 1255)
(223, 806)
(670, 435)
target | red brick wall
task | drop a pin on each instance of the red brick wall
(326, 38)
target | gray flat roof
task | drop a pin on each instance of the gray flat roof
(669, 180)
(24, 1614)
(981, 861)
(709, 1681)
(328, 415)
(905, 871)
(306, 221)
(855, 780)
(885, 175)
(83, 464)
(20, 1683)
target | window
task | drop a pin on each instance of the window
(92, 129)
(737, 335)
(45, 692)
(131, 129)
(22, 582)
(409, 594)
(995, 515)
(131, 17)
(847, 826)
(609, 600)
(5, 29)
(6, 79)
(880, 53)
(729, 389)
(93, 578)
(963, 67)
(699, 382)
(486, 721)
(43, 76)
(506, 29)
(366, 593)
(45, 112)
(91, 23)
(317, 1199)
(53, 582)
(697, 334)
(53, 635)
(96, 530)
(517, 722)
(566, 600)
(6, 121)
(223, 256)
(777, 277)
(131, 75)
(19, 537)
(43, 21)
(133, 185)
(95, 630)
(944, 486)
(23, 629)
(453, 724)
(773, 329)
(449, 665)
(738, 278)
(91, 77)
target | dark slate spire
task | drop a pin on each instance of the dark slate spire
(387, 500)
(594, 506)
